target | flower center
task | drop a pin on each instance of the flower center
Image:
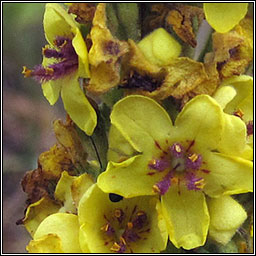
(123, 228)
(66, 61)
(180, 165)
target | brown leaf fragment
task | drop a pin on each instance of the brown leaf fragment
(232, 51)
(68, 137)
(181, 20)
(84, 12)
(182, 76)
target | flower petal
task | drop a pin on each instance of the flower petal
(160, 47)
(201, 120)
(224, 16)
(77, 105)
(228, 175)
(51, 90)
(65, 226)
(134, 173)
(119, 148)
(81, 50)
(224, 95)
(233, 140)
(187, 217)
(57, 22)
(50, 243)
(243, 85)
(227, 215)
(37, 212)
(142, 122)
(63, 192)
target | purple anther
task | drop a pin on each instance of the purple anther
(194, 161)
(163, 186)
(177, 150)
(159, 165)
(193, 182)
(110, 230)
(52, 53)
(140, 220)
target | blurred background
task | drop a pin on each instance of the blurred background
(27, 116)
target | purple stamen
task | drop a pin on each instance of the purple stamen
(159, 165)
(51, 53)
(193, 182)
(140, 220)
(177, 150)
(194, 161)
(68, 61)
(163, 186)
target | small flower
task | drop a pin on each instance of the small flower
(132, 225)
(204, 167)
(224, 16)
(65, 60)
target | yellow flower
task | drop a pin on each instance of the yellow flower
(224, 16)
(182, 163)
(235, 95)
(65, 61)
(134, 225)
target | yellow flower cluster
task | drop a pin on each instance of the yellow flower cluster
(169, 178)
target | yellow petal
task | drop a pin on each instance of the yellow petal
(51, 90)
(224, 95)
(133, 173)
(77, 105)
(160, 47)
(119, 148)
(201, 120)
(79, 186)
(224, 16)
(233, 140)
(37, 212)
(226, 216)
(65, 226)
(63, 192)
(50, 243)
(142, 122)
(81, 50)
(57, 22)
(228, 175)
(187, 217)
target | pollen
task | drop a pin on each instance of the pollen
(239, 113)
(115, 247)
(49, 71)
(177, 148)
(26, 72)
(156, 189)
(193, 157)
(105, 227)
(122, 240)
(118, 213)
(129, 225)
(200, 184)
